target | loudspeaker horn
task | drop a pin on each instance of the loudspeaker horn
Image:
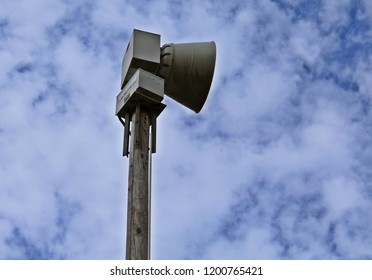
(188, 72)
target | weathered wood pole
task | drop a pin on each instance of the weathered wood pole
(137, 247)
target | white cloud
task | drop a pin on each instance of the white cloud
(256, 245)
(334, 13)
(342, 194)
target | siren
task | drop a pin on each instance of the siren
(188, 72)
(187, 69)
(184, 72)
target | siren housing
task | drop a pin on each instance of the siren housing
(187, 70)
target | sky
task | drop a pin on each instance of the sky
(277, 165)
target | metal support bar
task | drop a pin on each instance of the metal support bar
(126, 135)
(153, 132)
(126, 125)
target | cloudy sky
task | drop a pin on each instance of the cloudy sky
(278, 164)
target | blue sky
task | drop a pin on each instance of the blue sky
(276, 166)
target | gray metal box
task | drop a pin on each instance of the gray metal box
(143, 88)
(143, 51)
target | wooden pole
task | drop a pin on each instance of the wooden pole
(137, 220)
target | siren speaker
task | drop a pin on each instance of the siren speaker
(188, 72)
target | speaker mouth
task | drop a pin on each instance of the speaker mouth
(188, 71)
